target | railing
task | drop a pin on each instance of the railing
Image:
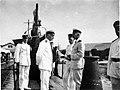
(6, 72)
(16, 75)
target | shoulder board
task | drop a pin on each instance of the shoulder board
(46, 41)
(68, 45)
(114, 40)
(80, 41)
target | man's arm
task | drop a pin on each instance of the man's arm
(17, 53)
(109, 61)
(40, 53)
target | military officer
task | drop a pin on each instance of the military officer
(113, 69)
(44, 59)
(22, 56)
(67, 76)
(77, 59)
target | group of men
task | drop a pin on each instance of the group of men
(74, 54)
(44, 60)
(75, 62)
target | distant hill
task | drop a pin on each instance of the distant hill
(98, 46)
(98, 49)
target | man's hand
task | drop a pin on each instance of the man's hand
(69, 57)
(62, 56)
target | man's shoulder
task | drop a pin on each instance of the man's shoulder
(68, 46)
(28, 45)
(114, 40)
(43, 43)
(18, 45)
(79, 42)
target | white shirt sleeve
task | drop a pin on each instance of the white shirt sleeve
(109, 60)
(17, 53)
(39, 53)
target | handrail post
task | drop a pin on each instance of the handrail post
(14, 74)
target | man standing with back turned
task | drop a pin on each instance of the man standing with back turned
(113, 69)
(44, 59)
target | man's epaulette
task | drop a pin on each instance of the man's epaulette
(46, 41)
(114, 40)
(80, 41)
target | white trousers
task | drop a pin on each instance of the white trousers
(44, 77)
(72, 79)
(68, 81)
(77, 77)
(23, 76)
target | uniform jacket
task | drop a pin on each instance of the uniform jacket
(113, 69)
(44, 55)
(69, 49)
(68, 52)
(77, 55)
(22, 54)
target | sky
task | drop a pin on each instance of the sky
(93, 17)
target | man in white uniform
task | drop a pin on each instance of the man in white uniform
(77, 59)
(44, 59)
(22, 56)
(113, 69)
(67, 76)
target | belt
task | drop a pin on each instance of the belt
(115, 59)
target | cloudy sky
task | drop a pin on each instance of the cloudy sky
(93, 17)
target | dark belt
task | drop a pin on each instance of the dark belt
(116, 59)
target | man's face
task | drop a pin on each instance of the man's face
(71, 40)
(50, 37)
(25, 40)
(76, 35)
(117, 30)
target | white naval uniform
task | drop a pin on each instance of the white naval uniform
(22, 55)
(77, 61)
(113, 69)
(44, 61)
(67, 76)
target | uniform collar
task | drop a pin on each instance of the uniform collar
(77, 40)
(24, 43)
